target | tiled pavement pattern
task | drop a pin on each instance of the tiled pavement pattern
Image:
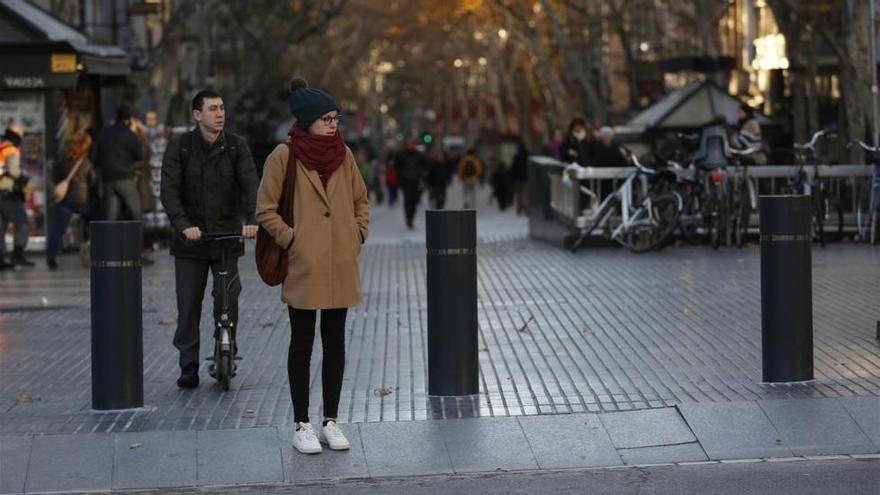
(603, 330)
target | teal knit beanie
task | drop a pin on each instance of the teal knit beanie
(308, 104)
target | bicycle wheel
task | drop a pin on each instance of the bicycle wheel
(714, 224)
(819, 219)
(666, 211)
(652, 224)
(742, 212)
(863, 214)
(874, 235)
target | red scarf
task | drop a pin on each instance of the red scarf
(322, 153)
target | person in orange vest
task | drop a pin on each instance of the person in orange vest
(12, 195)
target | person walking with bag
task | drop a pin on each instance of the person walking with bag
(330, 220)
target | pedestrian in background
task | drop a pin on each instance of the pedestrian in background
(143, 179)
(748, 134)
(116, 154)
(391, 182)
(13, 187)
(607, 152)
(437, 181)
(470, 169)
(330, 223)
(579, 145)
(501, 189)
(411, 167)
(553, 147)
(519, 175)
(80, 193)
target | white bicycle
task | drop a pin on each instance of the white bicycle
(646, 221)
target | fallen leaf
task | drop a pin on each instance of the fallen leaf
(526, 324)
(167, 321)
(267, 323)
(134, 446)
(383, 391)
(686, 311)
(23, 398)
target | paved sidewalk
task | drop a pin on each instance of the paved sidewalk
(603, 330)
(756, 431)
(603, 358)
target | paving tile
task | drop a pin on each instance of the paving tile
(689, 452)
(569, 441)
(817, 427)
(647, 428)
(239, 456)
(866, 412)
(405, 448)
(483, 445)
(734, 430)
(155, 459)
(327, 465)
(14, 455)
(64, 463)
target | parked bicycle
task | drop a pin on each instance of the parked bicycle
(710, 162)
(827, 212)
(868, 198)
(743, 194)
(648, 212)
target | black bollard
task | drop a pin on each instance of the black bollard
(453, 366)
(786, 288)
(117, 324)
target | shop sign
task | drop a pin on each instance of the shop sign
(63, 62)
(24, 82)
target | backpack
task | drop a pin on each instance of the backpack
(470, 168)
(186, 145)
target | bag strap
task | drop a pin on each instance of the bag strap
(73, 170)
(285, 203)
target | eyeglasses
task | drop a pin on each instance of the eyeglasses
(329, 120)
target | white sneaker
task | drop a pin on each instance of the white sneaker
(305, 440)
(332, 435)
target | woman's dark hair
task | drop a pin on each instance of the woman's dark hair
(577, 121)
(746, 109)
(198, 100)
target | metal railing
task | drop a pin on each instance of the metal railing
(567, 203)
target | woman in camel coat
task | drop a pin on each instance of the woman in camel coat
(330, 223)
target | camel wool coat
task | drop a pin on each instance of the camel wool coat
(328, 230)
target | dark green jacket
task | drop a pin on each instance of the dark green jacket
(209, 191)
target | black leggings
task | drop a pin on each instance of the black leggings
(299, 358)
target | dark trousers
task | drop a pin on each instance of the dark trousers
(12, 211)
(392, 196)
(411, 197)
(63, 213)
(119, 193)
(191, 277)
(299, 359)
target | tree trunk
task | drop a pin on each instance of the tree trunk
(581, 71)
(856, 73)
